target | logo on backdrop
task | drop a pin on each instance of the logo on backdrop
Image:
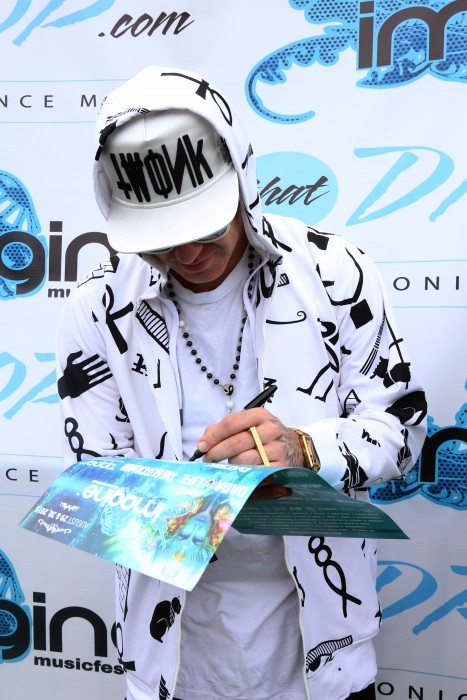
(296, 184)
(440, 474)
(57, 15)
(396, 42)
(22, 250)
(25, 260)
(427, 603)
(19, 630)
(15, 615)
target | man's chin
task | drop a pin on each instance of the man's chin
(199, 279)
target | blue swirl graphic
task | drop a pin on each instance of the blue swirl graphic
(14, 615)
(440, 474)
(20, 9)
(18, 224)
(93, 10)
(410, 47)
(22, 6)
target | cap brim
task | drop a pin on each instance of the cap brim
(142, 228)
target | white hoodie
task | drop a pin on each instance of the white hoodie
(324, 332)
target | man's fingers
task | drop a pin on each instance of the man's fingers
(249, 437)
(232, 425)
(239, 448)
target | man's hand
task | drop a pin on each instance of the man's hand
(230, 439)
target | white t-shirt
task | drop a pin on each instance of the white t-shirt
(240, 629)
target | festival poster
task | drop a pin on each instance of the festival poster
(166, 519)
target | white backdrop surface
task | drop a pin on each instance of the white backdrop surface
(384, 146)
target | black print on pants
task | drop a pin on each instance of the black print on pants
(323, 558)
(79, 377)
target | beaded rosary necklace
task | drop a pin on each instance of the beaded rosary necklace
(227, 387)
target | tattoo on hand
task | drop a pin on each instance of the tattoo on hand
(293, 456)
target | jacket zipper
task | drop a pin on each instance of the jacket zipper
(184, 593)
(267, 306)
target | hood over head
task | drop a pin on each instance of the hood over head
(171, 163)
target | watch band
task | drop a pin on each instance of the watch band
(308, 450)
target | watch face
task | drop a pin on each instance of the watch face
(315, 463)
(308, 450)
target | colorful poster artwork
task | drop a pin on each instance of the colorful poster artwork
(166, 519)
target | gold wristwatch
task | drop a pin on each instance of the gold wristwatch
(308, 450)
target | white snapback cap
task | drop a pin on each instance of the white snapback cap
(171, 181)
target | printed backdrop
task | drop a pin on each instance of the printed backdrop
(357, 114)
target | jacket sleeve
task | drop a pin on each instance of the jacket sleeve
(382, 425)
(93, 416)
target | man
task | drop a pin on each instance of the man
(207, 303)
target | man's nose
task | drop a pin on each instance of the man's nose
(187, 253)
